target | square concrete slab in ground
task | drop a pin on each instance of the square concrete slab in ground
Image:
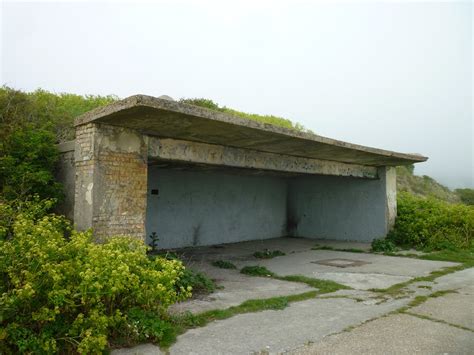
(454, 308)
(395, 334)
(236, 288)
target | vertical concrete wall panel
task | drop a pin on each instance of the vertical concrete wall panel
(205, 208)
(66, 174)
(342, 208)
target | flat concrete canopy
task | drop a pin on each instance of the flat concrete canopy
(171, 119)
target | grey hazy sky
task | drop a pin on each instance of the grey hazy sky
(394, 75)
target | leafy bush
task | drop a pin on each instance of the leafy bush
(197, 281)
(71, 294)
(256, 271)
(268, 254)
(432, 224)
(27, 161)
(30, 126)
(224, 264)
(33, 208)
(383, 245)
(45, 110)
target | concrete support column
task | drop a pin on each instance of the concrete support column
(111, 180)
(389, 174)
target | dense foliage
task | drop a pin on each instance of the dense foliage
(383, 245)
(45, 110)
(30, 126)
(466, 196)
(270, 119)
(71, 293)
(429, 223)
(423, 185)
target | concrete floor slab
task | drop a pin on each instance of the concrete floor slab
(456, 308)
(395, 334)
(455, 280)
(303, 263)
(279, 331)
(237, 288)
(362, 281)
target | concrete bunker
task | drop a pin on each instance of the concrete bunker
(199, 177)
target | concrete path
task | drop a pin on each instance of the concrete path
(345, 322)
(446, 326)
(397, 334)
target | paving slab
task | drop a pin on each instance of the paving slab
(279, 331)
(455, 308)
(372, 271)
(395, 334)
(455, 280)
(237, 288)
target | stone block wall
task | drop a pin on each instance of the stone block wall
(111, 180)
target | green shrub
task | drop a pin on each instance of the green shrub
(268, 254)
(71, 294)
(197, 281)
(223, 264)
(256, 271)
(45, 110)
(383, 245)
(27, 161)
(432, 224)
(33, 208)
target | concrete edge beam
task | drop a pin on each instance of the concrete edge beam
(65, 147)
(202, 153)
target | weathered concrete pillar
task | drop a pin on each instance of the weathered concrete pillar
(390, 177)
(111, 180)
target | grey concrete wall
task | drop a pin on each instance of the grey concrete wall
(205, 208)
(66, 174)
(342, 208)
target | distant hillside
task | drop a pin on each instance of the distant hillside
(423, 185)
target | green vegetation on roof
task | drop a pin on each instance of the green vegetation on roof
(269, 119)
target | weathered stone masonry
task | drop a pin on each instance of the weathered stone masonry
(111, 180)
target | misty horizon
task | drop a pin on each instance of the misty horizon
(395, 76)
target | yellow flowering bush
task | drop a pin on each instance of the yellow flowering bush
(69, 294)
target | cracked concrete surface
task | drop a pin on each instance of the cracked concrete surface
(343, 322)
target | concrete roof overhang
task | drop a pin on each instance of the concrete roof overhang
(171, 119)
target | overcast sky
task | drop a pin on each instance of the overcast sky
(393, 75)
